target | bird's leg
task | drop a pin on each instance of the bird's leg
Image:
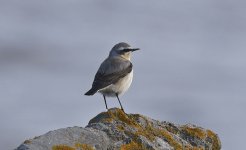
(119, 102)
(105, 101)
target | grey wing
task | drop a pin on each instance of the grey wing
(110, 73)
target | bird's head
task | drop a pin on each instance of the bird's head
(123, 50)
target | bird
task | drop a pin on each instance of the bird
(115, 73)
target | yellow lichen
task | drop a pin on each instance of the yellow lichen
(80, 146)
(108, 118)
(120, 128)
(171, 128)
(27, 142)
(121, 116)
(150, 132)
(86, 147)
(133, 146)
(194, 131)
(190, 147)
(215, 139)
(77, 146)
(198, 148)
(170, 139)
(147, 130)
(62, 147)
(187, 147)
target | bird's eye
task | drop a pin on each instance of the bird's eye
(126, 50)
(121, 52)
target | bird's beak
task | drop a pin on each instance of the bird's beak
(130, 49)
(135, 49)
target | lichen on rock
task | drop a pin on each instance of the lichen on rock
(77, 146)
(114, 129)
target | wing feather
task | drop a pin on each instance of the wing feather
(110, 71)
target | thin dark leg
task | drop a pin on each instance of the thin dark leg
(105, 101)
(119, 101)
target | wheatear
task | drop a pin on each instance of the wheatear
(115, 74)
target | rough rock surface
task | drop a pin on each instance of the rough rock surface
(113, 130)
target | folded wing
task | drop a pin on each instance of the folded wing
(110, 71)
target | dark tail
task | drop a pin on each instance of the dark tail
(91, 92)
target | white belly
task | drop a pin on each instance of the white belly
(119, 87)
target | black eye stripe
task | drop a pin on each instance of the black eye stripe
(122, 52)
(127, 50)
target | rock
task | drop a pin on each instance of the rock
(113, 130)
(68, 137)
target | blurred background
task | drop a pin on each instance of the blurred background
(191, 67)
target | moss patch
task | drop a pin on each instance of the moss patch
(194, 132)
(165, 134)
(133, 146)
(215, 140)
(80, 146)
(120, 128)
(77, 146)
(172, 128)
(27, 142)
(62, 147)
(121, 116)
(128, 124)
(148, 130)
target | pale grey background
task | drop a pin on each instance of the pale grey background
(191, 69)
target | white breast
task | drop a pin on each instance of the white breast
(119, 87)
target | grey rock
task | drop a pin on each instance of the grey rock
(70, 136)
(114, 130)
(162, 145)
